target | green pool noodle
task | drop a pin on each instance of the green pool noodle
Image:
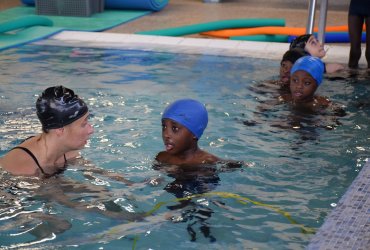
(217, 25)
(262, 38)
(24, 22)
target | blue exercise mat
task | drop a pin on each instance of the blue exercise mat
(153, 5)
(28, 2)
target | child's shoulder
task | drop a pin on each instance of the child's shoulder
(322, 101)
(162, 156)
(207, 158)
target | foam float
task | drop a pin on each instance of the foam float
(22, 30)
(268, 30)
(216, 25)
(24, 22)
(262, 38)
(330, 37)
(335, 37)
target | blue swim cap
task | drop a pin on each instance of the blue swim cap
(189, 113)
(312, 65)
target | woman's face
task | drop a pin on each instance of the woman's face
(302, 86)
(78, 132)
(314, 47)
(176, 138)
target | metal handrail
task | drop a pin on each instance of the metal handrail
(311, 16)
(322, 20)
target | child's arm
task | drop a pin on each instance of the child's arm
(89, 169)
(333, 67)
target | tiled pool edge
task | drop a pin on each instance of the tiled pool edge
(348, 225)
(266, 50)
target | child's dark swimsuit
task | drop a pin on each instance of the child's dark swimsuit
(38, 164)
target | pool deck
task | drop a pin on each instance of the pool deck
(348, 225)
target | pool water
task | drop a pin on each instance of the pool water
(297, 164)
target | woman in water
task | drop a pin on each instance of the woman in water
(65, 130)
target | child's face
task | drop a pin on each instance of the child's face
(176, 138)
(314, 47)
(285, 68)
(302, 86)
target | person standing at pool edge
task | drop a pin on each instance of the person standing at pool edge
(65, 130)
(359, 12)
(286, 64)
(183, 123)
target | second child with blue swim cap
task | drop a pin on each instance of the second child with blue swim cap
(183, 123)
(306, 76)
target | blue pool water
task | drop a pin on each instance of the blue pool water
(297, 165)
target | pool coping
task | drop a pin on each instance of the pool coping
(222, 47)
(348, 224)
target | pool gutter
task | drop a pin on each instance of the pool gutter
(267, 50)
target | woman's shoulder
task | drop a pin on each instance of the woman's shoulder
(18, 162)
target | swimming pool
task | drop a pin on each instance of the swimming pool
(299, 164)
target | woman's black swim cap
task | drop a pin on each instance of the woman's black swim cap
(59, 106)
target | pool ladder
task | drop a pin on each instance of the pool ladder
(311, 17)
(322, 19)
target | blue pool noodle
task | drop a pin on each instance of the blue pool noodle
(28, 2)
(153, 5)
(335, 37)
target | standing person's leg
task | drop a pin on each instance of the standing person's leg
(355, 24)
(367, 52)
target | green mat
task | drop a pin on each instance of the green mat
(97, 22)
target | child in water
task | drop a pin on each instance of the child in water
(193, 169)
(306, 76)
(313, 47)
(183, 123)
(286, 64)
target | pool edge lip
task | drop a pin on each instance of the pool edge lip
(347, 225)
(265, 50)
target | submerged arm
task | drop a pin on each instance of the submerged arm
(89, 169)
